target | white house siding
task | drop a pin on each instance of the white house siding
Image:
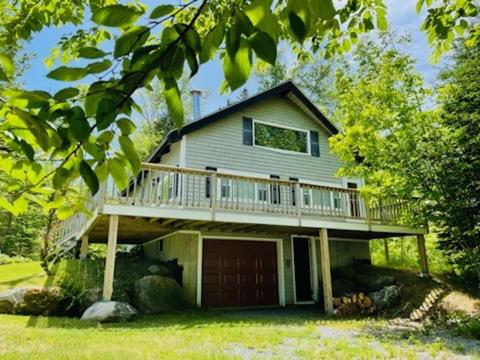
(184, 248)
(220, 145)
(172, 158)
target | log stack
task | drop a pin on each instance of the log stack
(354, 304)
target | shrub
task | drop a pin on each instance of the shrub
(470, 328)
(5, 259)
(82, 280)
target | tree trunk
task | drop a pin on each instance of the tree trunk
(46, 241)
(387, 254)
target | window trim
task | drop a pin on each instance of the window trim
(307, 132)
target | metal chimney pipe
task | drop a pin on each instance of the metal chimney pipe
(196, 94)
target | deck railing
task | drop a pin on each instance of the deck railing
(180, 188)
(165, 186)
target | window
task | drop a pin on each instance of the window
(208, 181)
(275, 191)
(226, 186)
(306, 198)
(281, 138)
(262, 190)
(160, 246)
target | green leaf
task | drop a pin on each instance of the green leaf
(7, 64)
(237, 70)
(324, 9)
(78, 124)
(117, 170)
(419, 6)
(89, 176)
(65, 211)
(27, 149)
(65, 73)
(105, 137)
(297, 26)
(174, 101)
(258, 10)
(212, 42)
(21, 204)
(93, 149)
(131, 41)
(106, 113)
(102, 171)
(4, 203)
(116, 15)
(99, 67)
(161, 10)
(192, 61)
(233, 40)
(3, 76)
(264, 46)
(66, 94)
(60, 177)
(126, 126)
(94, 95)
(382, 22)
(91, 52)
(130, 153)
(172, 62)
(192, 40)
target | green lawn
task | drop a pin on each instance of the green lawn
(220, 335)
(272, 334)
(22, 274)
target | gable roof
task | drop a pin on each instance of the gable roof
(283, 90)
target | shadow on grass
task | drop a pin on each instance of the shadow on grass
(192, 318)
(14, 282)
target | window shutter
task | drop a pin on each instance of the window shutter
(314, 146)
(247, 131)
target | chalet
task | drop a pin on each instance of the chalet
(248, 201)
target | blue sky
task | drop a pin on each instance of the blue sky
(402, 16)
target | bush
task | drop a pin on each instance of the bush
(470, 328)
(5, 259)
(82, 280)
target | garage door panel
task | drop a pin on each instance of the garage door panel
(246, 273)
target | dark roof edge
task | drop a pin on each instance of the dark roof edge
(280, 90)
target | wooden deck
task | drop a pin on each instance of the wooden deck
(162, 199)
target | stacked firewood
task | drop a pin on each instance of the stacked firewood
(355, 304)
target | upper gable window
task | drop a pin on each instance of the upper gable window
(281, 138)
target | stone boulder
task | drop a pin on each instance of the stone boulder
(109, 311)
(158, 270)
(156, 294)
(387, 297)
(32, 300)
(375, 283)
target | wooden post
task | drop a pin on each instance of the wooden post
(422, 253)
(387, 253)
(110, 261)
(84, 247)
(326, 275)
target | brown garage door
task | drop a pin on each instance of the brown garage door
(239, 273)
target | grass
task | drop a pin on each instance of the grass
(218, 335)
(254, 334)
(21, 274)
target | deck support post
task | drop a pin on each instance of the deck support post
(110, 260)
(84, 247)
(326, 274)
(422, 254)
